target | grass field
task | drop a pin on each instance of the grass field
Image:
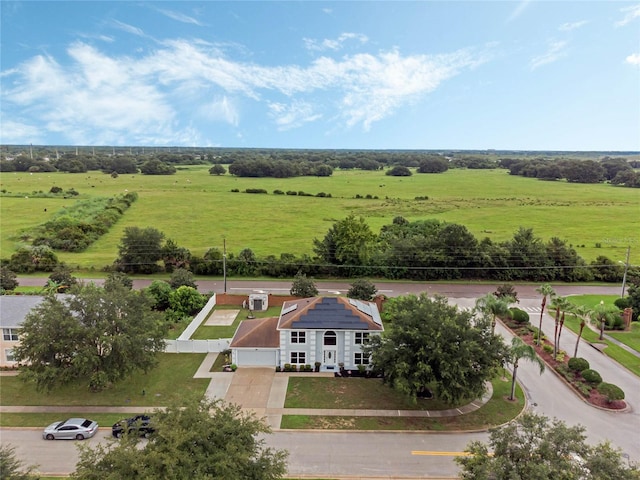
(495, 412)
(619, 354)
(360, 393)
(171, 380)
(198, 210)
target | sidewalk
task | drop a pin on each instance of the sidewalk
(262, 392)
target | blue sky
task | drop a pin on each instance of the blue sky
(528, 75)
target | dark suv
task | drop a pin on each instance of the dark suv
(139, 423)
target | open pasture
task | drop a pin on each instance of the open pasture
(198, 210)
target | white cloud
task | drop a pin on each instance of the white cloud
(334, 44)
(292, 115)
(221, 109)
(125, 27)
(16, 132)
(180, 17)
(555, 52)
(153, 97)
(631, 13)
(633, 59)
(518, 10)
(567, 27)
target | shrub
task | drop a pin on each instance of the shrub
(622, 303)
(278, 192)
(287, 367)
(563, 370)
(578, 364)
(560, 356)
(536, 332)
(235, 190)
(547, 348)
(591, 376)
(584, 389)
(518, 315)
(291, 192)
(255, 190)
(611, 391)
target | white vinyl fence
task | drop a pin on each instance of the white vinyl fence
(197, 346)
(184, 344)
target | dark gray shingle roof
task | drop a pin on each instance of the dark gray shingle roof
(13, 309)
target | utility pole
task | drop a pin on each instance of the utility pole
(626, 269)
(224, 262)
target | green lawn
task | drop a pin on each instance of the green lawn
(495, 412)
(213, 332)
(619, 354)
(631, 338)
(489, 202)
(172, 379)
(323, 392)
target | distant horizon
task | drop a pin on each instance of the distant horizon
(323, 75)
(184, 147)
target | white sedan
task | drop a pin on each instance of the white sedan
(71, 429)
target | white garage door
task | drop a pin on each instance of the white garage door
(254, 358)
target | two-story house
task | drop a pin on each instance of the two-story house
(328, 330)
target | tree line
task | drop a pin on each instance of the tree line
(616, 170)
(419, 250)
(293, 163)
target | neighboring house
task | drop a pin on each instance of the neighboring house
(13, 310)
(328, 330)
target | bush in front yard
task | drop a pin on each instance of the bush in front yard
(611, 391)
(591, 376)
(518, 315)
(578, 364)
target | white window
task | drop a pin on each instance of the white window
(298, 357)
(361, 337)
(10, 334)
(8, 355)
(298, 337)
(330, 338)
(360, 359)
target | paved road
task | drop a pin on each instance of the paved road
(390, 289)
(381, 455)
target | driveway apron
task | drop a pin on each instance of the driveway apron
(250, 389)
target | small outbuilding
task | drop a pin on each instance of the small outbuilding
(258, 302)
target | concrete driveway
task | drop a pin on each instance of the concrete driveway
(250, 387)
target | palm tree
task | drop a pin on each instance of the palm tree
(494, 306)
(582, 312)
(520, 350)
(603, 314)
(545, 290)
(562, 306)
(52, 287)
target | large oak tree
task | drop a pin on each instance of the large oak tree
(533, 448)
(95, 336)
(193, 440)
(429, 341)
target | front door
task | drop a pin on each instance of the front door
(330, 351)
(329, 359)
